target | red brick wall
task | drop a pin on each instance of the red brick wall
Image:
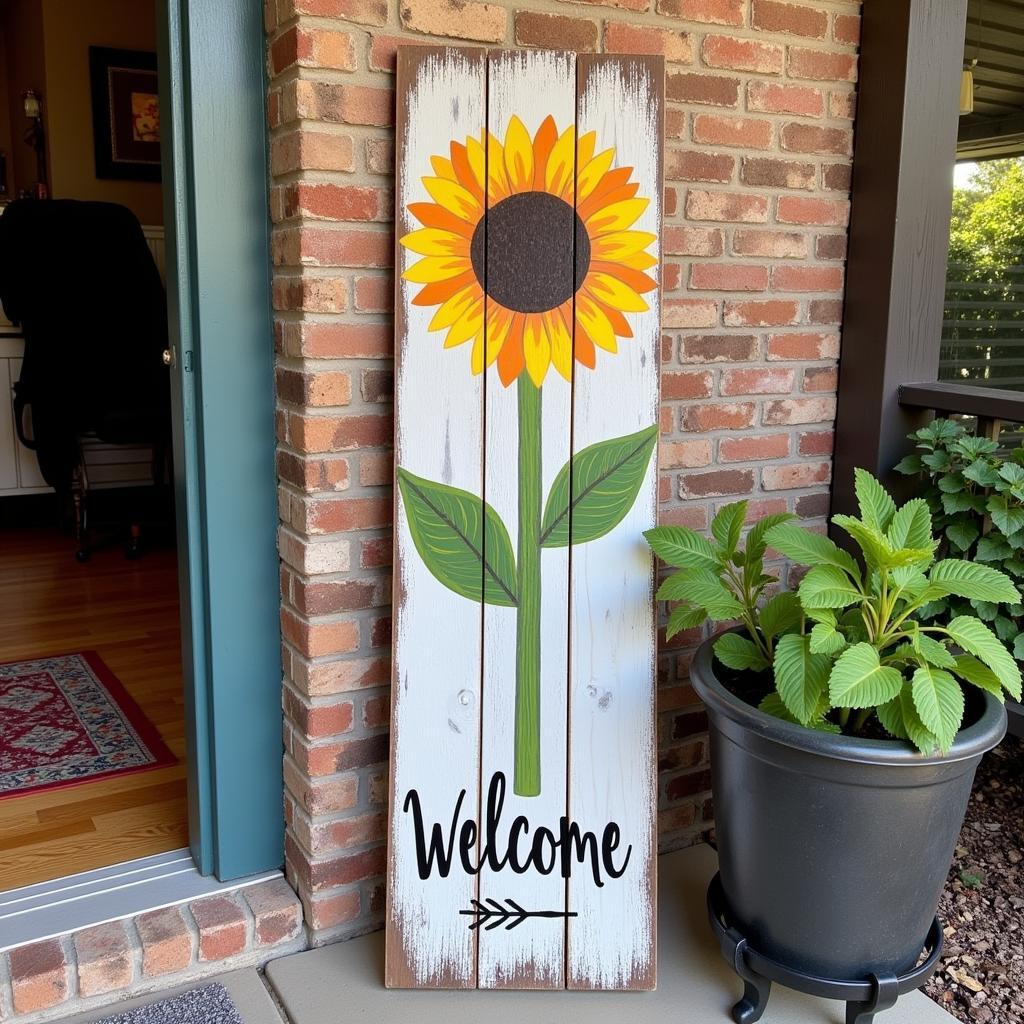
(759, 137)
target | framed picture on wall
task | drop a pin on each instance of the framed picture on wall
(125, 113)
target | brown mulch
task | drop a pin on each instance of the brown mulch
(981, 977)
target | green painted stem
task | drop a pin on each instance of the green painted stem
(526, 780)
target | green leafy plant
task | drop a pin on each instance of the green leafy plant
(849, 648)
(976, 495)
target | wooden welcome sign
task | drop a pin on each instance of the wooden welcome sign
(522, 832)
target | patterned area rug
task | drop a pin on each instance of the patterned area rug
(67, 719)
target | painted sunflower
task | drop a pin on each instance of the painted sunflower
(549, 249)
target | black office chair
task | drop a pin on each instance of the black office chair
(81, 281)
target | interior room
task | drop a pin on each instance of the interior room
(92, 728)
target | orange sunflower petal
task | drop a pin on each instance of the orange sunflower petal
(443, 167)
(616, 217)
(518, 156)
(583, 348)
(466, 173)
(585, 148)
(590, 174)
(634, 279)
(499, 323)
(433, 216)
(511, 360)
(620, 325)
(436, 268)
(439, 291)
(561, 164)
(543, 143)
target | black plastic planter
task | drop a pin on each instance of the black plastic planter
(833, 850)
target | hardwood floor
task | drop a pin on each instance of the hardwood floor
(128, 613)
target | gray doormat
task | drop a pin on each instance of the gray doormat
(208, 1005)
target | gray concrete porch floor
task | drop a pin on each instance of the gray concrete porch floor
(342, 983)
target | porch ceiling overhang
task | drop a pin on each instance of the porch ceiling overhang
(995, 39)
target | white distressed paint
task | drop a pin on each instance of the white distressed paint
(531, 85)
(437, 634)
(612, 677)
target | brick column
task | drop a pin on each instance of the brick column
(759, 137)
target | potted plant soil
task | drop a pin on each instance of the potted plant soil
(845, 733)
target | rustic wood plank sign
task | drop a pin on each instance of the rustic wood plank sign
(522, 828)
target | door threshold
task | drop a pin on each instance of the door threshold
(73, 902)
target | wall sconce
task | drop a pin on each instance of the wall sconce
(36, 138)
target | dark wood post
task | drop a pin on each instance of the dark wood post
(906, 131)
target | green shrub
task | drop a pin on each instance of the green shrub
(851, 643)
(976, 495)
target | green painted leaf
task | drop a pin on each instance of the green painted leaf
(462, 542)
(976, 638)
(825, 586)
(810, 548)
(968, 579)
(859, 680)
(919, 734)
(684, 616)
(727, 526)
(781, 614)
(800, 676)
(876, 507)
(911, 526)
(739, 653)
(606, 478)
(706, 589)
(978, 674)
(939, 702)
(826, 639)
(682, 547)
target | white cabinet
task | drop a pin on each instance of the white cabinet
(19, 471)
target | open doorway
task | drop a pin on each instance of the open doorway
(92, 714)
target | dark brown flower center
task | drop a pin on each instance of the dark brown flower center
(529, 240)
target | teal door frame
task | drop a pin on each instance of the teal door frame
(218, 269)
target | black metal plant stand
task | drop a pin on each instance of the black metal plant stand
(863, 998)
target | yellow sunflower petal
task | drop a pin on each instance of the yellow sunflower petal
(477, 160)
(595, 323)
(615, 293)
(453, 197)
(585, 148)
(616, 217)
(436, 242)
(561, 164)
(469, 324)
(592, 173)
(476, 359)
(619, 245)
(560, 341)
(443, 167)
(498, 187)
(499, 321)
(436, 268)
(536, 348)
(518, 156)
(640, 261)
(452, 309)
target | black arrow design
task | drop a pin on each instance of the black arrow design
(512, 916)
